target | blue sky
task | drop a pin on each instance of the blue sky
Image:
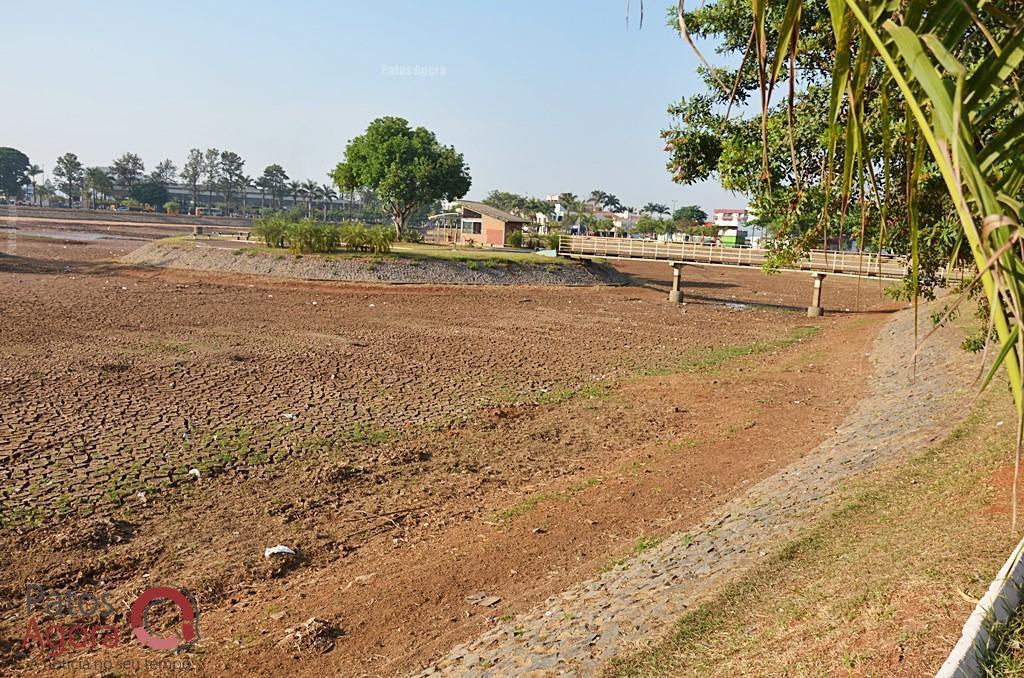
(541, 96)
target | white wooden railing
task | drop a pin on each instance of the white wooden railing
(866, 264)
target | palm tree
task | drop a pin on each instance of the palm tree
(329, 195)
(261, 184)
(311, 190)
(295, 190)
(654, 208)
(33, 171)
(598, 198)
(244, 184)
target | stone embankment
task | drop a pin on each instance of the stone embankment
(371, 269)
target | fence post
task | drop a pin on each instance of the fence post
(815, 310)
(676, 295)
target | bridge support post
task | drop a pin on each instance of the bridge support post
(676, 295)
(815, 310)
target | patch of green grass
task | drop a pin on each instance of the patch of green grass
(1006, 658)
(714, 358)
(528, 504)
(168, 347)
(523, 507)
(853, 590)
(599, 391)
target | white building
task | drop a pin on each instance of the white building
(731, 218)
(743, 221)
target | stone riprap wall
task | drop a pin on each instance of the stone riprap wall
(200, 257)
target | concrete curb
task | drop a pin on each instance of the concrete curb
(997, 606)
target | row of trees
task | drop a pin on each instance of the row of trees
(212, 172)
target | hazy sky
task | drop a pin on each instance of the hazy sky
(541, 96)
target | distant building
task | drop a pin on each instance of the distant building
(731, 218)
(743, 226)
(482, 224)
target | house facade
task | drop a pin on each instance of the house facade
(481, 224)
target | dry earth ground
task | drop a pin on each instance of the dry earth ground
(415, 444)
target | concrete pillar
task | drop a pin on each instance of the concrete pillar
(815, 310)
(676, 295)
(197, 231)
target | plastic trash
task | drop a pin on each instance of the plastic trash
(279, 550)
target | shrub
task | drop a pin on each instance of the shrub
(270, 229)
(172, 207)
(515, 239)
(552, 240)
(355, 236)
(381, 238)
(309, 235)
(412, 236)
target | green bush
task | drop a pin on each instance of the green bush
(311, 236)
(515, 239)
(381, 238)
(271, 230)
(412, 236)
(308, 236)
(355, 236)
(552, 240)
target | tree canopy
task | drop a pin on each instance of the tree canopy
(69, 175)
(691, 213)
(150, 193)
(14, 167)
(128, 169)
(520, 204)
(406, 167)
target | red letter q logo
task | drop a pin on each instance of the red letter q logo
(189, 627)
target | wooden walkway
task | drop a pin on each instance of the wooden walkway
(857, 264)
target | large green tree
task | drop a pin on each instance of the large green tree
(151, 193)
(14, 168)
(212, 172)
(805, 178)
(692, 213)
(164, 173)
(128, 170)
(274, 181)
(408, 168)
(232, 175)
(99, 181)
(782, 161)
(192, 174)
(69, 175)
